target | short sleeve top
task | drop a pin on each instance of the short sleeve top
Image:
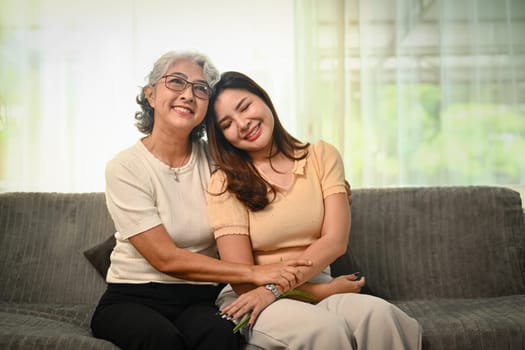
(143, 192)
(294, 218)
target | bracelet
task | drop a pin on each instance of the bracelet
(272, 288)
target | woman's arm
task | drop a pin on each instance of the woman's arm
(332, 244)
(238, 249)
(340, 284)
(334, 236)
(335, 228)
(162, 253)
(254, 299)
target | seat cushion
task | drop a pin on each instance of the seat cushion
(38, 326)
(477, 324)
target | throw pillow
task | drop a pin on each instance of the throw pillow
(345, 265)
(99, 255)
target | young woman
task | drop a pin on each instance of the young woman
(164, 272)
(274, 198)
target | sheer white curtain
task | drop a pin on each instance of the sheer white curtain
(70, 71)
(411, 91)
(415, 92)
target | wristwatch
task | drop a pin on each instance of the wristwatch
(272, 288)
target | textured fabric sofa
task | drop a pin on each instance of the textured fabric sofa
(48, 289)
(452, 257)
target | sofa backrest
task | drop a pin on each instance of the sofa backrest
(42, 239)
(410, 243)
(439, 242)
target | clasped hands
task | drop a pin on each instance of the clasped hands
(250, 304)
(285, 274)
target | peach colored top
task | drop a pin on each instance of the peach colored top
(294, 219)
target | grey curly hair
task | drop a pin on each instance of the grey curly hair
(144, 119)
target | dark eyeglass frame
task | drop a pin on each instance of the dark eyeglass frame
(197, 93)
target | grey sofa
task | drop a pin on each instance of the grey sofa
(48, 289)
(452, 257)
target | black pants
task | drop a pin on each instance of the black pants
(158, 316)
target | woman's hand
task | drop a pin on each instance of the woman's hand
(345, 284)
(285, 274)
(254, 302)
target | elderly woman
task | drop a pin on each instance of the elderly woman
(164, 274)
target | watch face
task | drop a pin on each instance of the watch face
(272, 288)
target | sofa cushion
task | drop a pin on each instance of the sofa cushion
(99, 255)
(42, 236)
(439, 242)
(39, 326)
(470, 324)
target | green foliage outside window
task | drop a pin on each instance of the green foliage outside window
(412, 138)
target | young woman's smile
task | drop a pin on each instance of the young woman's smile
(245, 120)
(254, 133)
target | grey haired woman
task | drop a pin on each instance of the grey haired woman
(164, 274)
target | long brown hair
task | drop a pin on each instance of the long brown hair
(243, 178)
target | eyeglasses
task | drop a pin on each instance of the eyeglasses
(177, 83)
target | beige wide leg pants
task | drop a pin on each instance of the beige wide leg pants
(340, 322)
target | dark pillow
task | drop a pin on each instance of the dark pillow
(98, 255)
(345, 265)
